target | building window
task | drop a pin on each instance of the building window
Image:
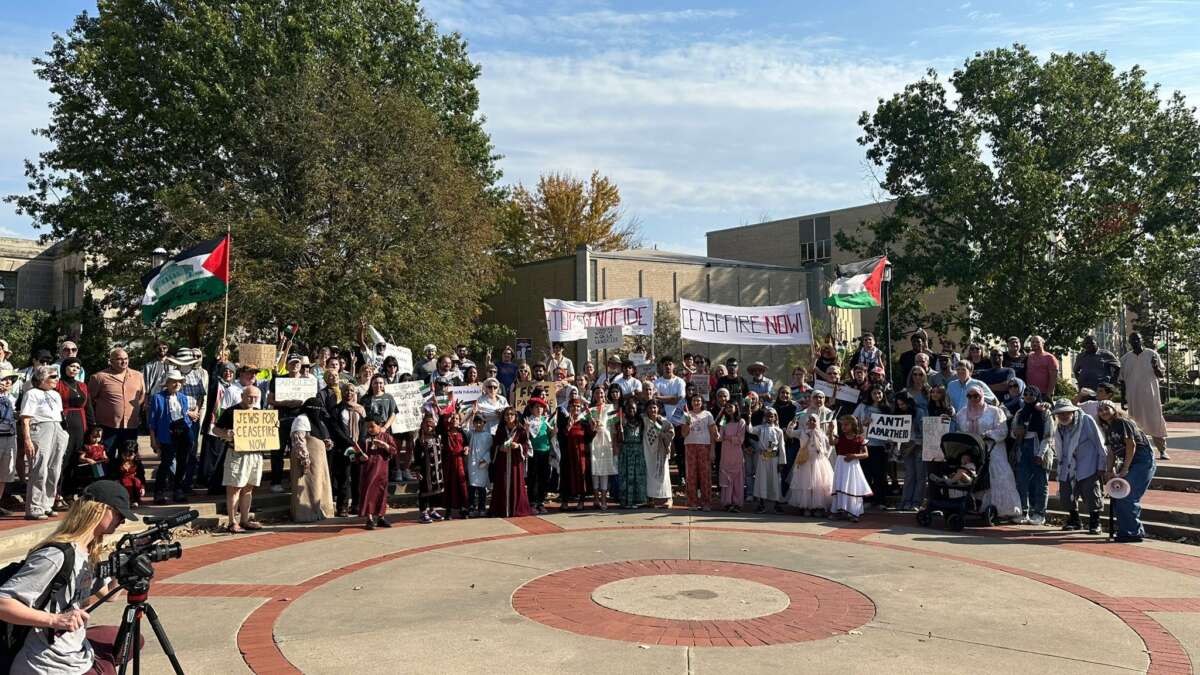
(9, 279)
(808, 252)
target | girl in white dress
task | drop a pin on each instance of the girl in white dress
(849, 482)
(811, 488)
(603, 421)
(769, 460)
(988, 421)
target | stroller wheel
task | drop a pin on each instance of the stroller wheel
(924, 518)
(955, 522)
(990, 515)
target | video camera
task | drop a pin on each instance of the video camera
(132, 563)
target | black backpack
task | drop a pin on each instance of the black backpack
(12, 637)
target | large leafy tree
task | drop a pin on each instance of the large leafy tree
(158, 99)
(563, 213)
(355, 206)
(1045, 192)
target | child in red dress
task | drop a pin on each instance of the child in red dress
(92, 458)
(129, 470)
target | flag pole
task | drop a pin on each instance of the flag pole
(887, 314)
(229, 252)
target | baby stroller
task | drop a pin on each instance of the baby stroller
(956, 502)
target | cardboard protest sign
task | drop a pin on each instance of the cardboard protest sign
(932, 430)
(605, 337)
(700, 382)
(260, 356)
(294, 388)
(255, 430)
(890, 428)
(523, 391)
(409, 402)
(645, 370)
(467, 393)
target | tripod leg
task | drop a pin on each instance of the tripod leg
(122, 643)
(163, 640)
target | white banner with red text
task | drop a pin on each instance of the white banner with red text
(567, 321)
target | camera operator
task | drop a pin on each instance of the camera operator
(59, 640)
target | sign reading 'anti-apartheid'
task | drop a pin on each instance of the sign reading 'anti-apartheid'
(729, 324)
(255, 430)
(567, 321)
(891, 428)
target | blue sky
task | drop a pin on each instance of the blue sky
(706, 114)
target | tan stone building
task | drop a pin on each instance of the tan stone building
(39, 276)
(662, 276)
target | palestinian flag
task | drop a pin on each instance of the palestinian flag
(858, 285)
(198, 274)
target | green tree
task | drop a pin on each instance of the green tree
(22, 329)
(562, 214)
(155, 99)
(356, 206)
(1041, 191)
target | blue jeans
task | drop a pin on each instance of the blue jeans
(1031, 480)
(1129, 509)
(914, 479)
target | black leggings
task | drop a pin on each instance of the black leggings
(428, 502)
(877, 473)
(539, 477)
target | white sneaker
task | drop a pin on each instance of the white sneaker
(1023, 520)
(1037, 520)
(276, 489)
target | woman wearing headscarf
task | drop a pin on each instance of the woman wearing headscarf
(1130, 457)
(346, 430)
(658, 435)
(491, 404)
(312, 496)
(1031, 431)
(989, 421)
(77, 419)
(510, 450)
(575, 433)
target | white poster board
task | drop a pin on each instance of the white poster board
(932, 430)
(467, 393)
(567, 321)
(409, 402)
(294, 388)
(733, 325)
(605, 337)
(890, 428)
(842, 392)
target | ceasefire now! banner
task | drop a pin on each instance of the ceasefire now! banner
(730, 324)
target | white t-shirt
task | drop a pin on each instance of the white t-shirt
(629, 385)
(42, 406)
(565, 362)
(699, 432)
(672, 387)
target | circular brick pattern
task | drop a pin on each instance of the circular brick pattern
(817, 608)
(691, 597)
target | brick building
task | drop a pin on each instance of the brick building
(39, 276)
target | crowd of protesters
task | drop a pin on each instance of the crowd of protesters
(606, 433)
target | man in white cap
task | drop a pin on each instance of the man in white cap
(1081, 464)
(189, 361)
(426, 368)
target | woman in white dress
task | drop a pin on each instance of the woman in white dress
(769, 458)
(603, 465)
(657, 435)
(491, 404)
(988, 421)
(811, 488)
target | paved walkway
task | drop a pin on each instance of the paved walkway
(675, 592)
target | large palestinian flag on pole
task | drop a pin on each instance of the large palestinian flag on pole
(859, 285)
(198, 274)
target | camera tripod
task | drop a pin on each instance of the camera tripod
(125, 647)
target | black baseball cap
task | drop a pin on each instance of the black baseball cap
(110, 493)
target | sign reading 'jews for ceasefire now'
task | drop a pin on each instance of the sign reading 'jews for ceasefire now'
(729, 324)
(255, 430)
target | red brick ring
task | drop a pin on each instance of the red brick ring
(818, 608)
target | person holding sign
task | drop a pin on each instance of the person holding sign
(170, 421)
(242, 470)
(289, 409)
(877, 456)
(989, 421)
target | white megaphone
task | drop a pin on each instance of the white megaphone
(1117, 488)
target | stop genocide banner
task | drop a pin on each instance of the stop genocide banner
(567, 321)
(733, 325)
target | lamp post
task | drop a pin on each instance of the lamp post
(3, 292)
(158, 256)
